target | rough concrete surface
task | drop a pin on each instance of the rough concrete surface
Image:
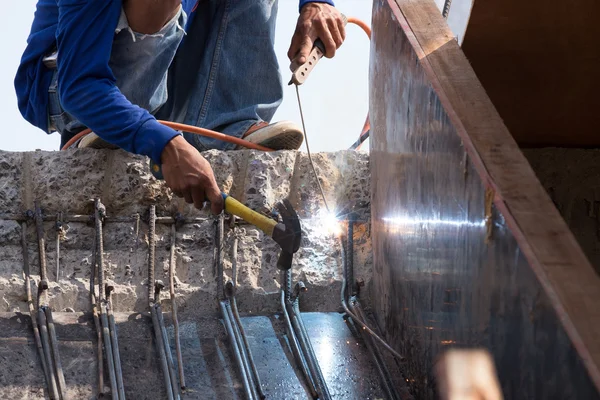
(67, 182)
(572, 179)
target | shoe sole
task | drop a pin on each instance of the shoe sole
(93, 141)
(278, 136)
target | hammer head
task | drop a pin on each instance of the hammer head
(288, 234)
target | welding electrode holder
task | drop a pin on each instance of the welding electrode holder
(300, 74)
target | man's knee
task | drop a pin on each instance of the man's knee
(149, 16)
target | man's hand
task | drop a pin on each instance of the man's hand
(189, 175)
(317, 20)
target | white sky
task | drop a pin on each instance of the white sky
(334, 98)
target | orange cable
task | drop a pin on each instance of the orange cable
(190, 129)
(217, 135)
(361, 24)
(367, 29)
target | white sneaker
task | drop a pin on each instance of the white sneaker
(283, 135)
(93, 141)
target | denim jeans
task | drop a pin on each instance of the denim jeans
(220, 74)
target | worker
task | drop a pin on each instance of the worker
(116, 66)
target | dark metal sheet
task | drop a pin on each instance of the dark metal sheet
(438, 282)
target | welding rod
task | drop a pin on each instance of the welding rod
(36, 332)
(97, 320)
(174, 307)
(62, 387)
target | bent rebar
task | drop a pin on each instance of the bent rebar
(356, 314)
(292, 309)
(62, 387)
(36, 331)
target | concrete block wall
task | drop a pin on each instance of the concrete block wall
(67, 182)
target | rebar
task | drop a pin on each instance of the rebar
(174, 307)
(219, 234)
(356, 319)
(238, 320)
(39, 225)
(446, 8)
(36, 332)
(309, 353)
(87, 218)
(354, 306)
(376, 355)
(252, 364)
(58, 234)
(167, 347)
(152, 250)
(236, 349)
(47, 352)
(115, 348)
(292, 312)
(349, 270)
(62, 387)
(161, 353)
(95, 308)
(296, 348)
(114, 389)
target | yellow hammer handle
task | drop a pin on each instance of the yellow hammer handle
(265, 224)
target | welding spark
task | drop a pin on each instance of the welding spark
(330, 223)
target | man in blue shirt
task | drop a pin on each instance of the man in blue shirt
(116, 66)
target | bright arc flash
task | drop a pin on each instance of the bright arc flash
(330, 223)
(414, 221)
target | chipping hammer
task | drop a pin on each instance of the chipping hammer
(287, 234)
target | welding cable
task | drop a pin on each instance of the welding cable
(213, 134)
(366, 130)
(189, 129)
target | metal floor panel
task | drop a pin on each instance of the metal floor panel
(209, 367)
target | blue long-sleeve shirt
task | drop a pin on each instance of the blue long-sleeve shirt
(83, 32)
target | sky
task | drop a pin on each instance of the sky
(334, 99)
